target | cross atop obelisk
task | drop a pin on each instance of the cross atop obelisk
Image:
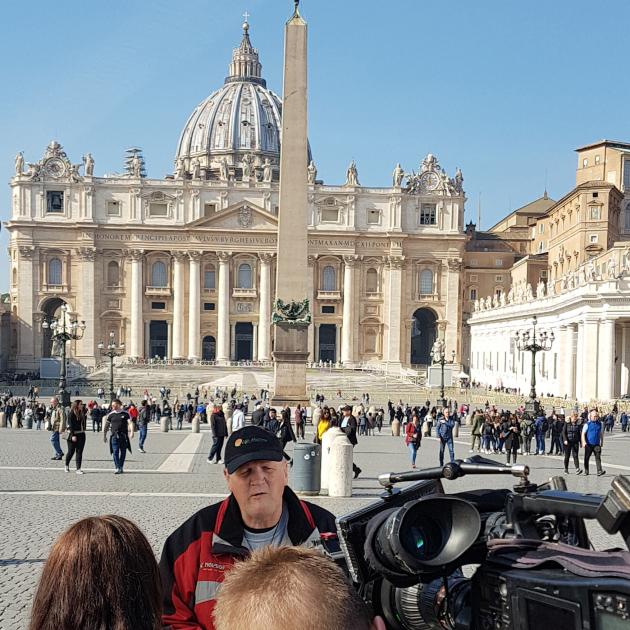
(291, 309)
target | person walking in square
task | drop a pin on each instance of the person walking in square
(445, 433)
(119, 422)
(77, 423)
(299, 421)
(413, 438)
(219, 433)
(592, 442)
(143, 424)
(56, 422)
(571, 439)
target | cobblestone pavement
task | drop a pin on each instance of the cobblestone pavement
(38, 500)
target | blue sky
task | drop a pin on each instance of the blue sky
(505, 90)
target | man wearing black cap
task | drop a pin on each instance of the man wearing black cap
(261, 510)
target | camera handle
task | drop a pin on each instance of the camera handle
(475, 465)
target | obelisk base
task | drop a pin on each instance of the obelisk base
(289, 364)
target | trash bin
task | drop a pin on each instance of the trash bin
(3, 420)
(28, 422)
(164, 422)
(306, 469)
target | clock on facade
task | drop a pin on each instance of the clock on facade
(429, 181)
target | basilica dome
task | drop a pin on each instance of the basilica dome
(240, 119)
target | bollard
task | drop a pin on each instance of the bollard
(3, 420)
(396, 427)
(340, 475)
(14, 421)
(456, 430)
(28, 422)
(316, 416)
(164, 421)
(332, 435)
(306, 469)
(196, 424)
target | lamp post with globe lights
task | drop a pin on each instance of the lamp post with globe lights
(63, 330)
(534, 342)
(111, 350)
(438, 354)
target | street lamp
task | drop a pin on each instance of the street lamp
(112, 351)
(540, 341)
(438, 353)
(63, 331)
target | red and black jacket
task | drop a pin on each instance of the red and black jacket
(197, 555)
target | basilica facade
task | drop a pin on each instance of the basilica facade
(184, 267)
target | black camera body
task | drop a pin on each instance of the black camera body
(406, 554)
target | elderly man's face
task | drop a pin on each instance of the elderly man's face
(258, 488)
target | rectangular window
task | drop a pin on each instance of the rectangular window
(597, 159)
(498, 278)
(543, 274)
(541, 228)
(498, 293)
(158, 306)
(473, 277)
(474, 262)
(584, 162)
(428, 214)
(330, 215)
(208, 306)
(209, 209)
(113, 208)
(473, 294)
(158, 209)
(595, 213)
(54, 201)
(373, 217)
(592, 238)
(328, 310)
(626, 175)
(498, 262)
(209, 279)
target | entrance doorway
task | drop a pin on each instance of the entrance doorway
(244, 341)
(52, 310)
(208, 349)
(158, 339)
(423, 336)
(328, 342)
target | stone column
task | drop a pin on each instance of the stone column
(316, 342)
(563, 359)
(255, 342)
(349, 304)
(291, 339)
(393, 310)
(588, 359)
(86, 306)
(147, 340)
(194, 306)
(453, 301)
(136, 341)
(179, 259)
(223, 315)
(606, 359)
(233, 341)
(310, 285)
(569, 362)
(264, 308)
(338, 330)
(26, 307)
(169, 340)
(625, 360)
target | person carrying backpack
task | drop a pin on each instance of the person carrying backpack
(541, 426)
(121, 426)
(592, 441)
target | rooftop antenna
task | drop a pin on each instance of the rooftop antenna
(545, 194)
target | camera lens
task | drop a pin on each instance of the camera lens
(422, 538)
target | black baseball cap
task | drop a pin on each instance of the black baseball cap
(251, 444)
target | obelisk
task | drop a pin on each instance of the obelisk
(291, 315)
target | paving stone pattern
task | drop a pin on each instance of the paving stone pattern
(159, 502)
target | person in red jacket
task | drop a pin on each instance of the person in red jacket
(413, 437)
(261, 510)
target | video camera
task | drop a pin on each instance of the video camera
(535, 567)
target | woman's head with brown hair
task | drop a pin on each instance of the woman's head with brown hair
(101, 573)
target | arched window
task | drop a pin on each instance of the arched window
(54, 271)
(329, 279)
(158, 274)
(113, 274)
(426, 282)
(371, 281)
(245, 276)
(209, 277)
